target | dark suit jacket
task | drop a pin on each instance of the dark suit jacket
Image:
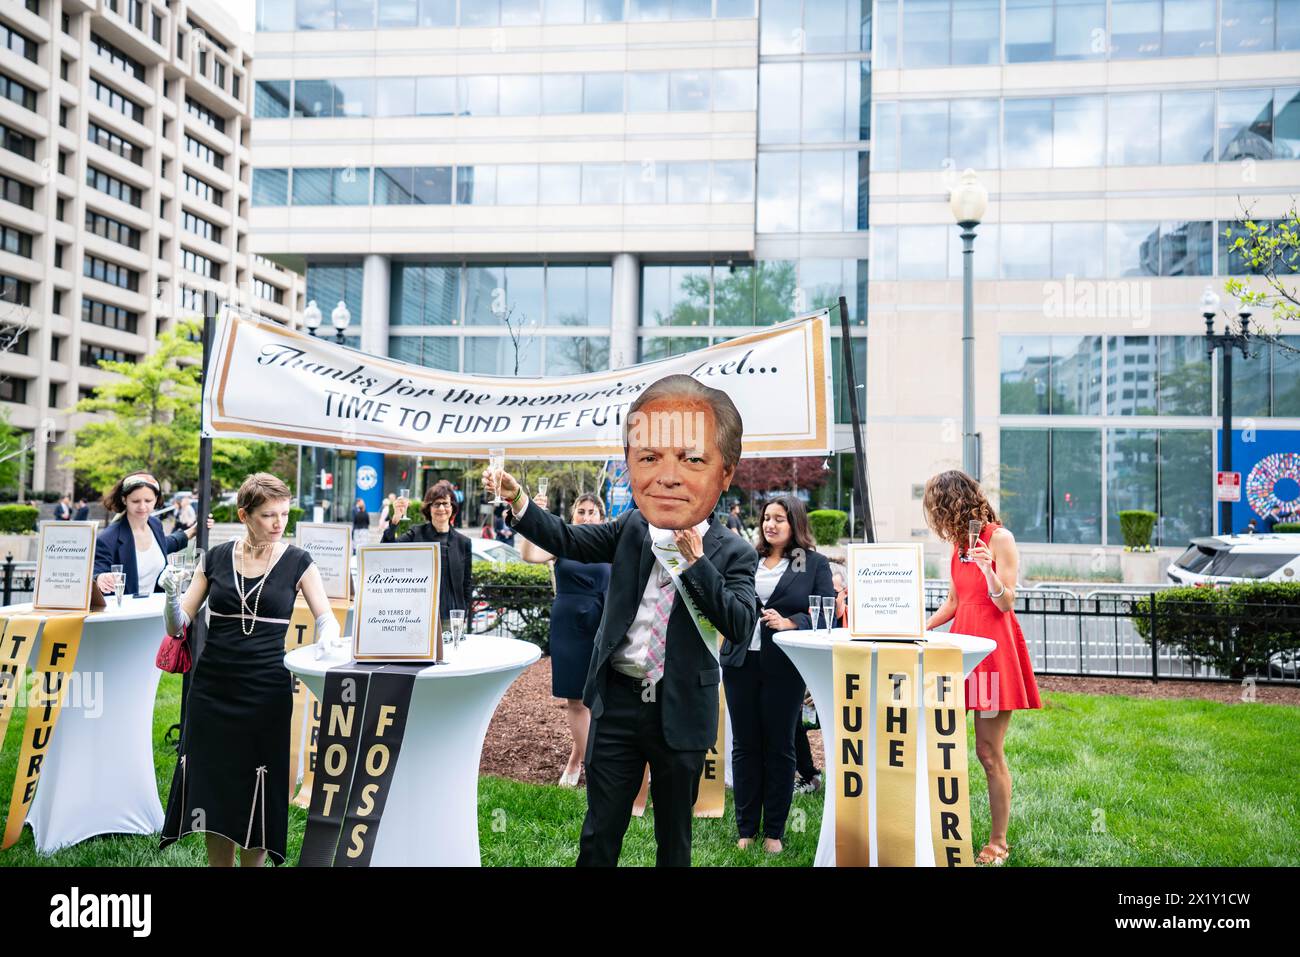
(115, 545)
(721, 583)
(790, 600)
(460, 561)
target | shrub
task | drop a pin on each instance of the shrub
(827, 525)
(521, 593)
(1235, 629)
(1136, 526)
(1287, 527)
(17, 519)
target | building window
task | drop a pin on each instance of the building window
(103, 314)
(204, 152)
(13, 390)
(92, 355)
(18, 142)
(18, 42)
(270, 187)
(204, 189)
(115, 144)
(200, 227)
(111, 273)
(205, 115)
(117, 101)
(113, 187)
(201, 265)
(15, 291)
(271, 99)
(15, 241)
(15, 339)
(117, 57)
(20, 93)
(17, 192)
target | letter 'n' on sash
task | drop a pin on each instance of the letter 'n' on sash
(851, 667)
(946, 753)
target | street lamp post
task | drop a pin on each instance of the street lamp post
(968, 201)
(340, 317)
(1227, 341)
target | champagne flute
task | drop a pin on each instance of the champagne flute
(457, 617)
(814, 609)
(973, 529)
(497, 465)
(119, 582)
(543, 483)
(828, 613)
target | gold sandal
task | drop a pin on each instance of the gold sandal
(993, 856)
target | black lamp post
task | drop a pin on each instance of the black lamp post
(1227, 341)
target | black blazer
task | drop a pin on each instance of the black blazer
(790, 600)
(115, 545)
(460, 561)
(721, 583)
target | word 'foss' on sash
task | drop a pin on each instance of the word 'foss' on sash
(342, 704)
(852, 675)
(946, 753)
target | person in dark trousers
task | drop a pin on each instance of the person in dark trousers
(83, 511)
(734, 521)
(457, 588)
(652, 685)
(63, 509)
(765, 691)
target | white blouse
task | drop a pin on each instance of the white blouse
(149, 565)
(765, 582)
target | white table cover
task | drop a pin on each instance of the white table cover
(431, 816)
(811, 653)
(98, 776)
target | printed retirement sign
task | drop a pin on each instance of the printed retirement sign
(330, 546)
(269, 382)
(65, 558)
(886, 591)
(397, 604)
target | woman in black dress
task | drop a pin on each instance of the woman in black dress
(232, 779)
(575, 615)
(457, 554)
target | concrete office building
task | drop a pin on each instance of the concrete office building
(124, 190)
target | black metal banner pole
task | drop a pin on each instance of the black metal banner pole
(862, 495)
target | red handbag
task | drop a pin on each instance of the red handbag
(174, 653)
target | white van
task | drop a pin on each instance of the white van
(1234, 558)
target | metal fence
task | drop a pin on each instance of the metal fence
(1095, 634)
(19, 580)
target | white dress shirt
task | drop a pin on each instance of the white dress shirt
(629, 657)
(149, 565)
(765, 582)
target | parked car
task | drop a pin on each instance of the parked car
(1235, 558)
(490, 550)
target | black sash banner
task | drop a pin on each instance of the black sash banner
(388, 704)
(342, 707)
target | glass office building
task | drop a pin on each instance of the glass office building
(630, 179)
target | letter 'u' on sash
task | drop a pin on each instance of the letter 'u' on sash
(896, 746)
(851, 667)
(60, 641)
(946, 753)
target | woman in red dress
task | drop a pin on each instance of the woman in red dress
(980, 602)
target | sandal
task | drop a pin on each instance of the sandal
(993, 856)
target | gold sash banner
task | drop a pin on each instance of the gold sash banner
(301, 632)
(946, 753)
(896, 747)
(851, 664)
(61, 639)
(642, 796)
(711, 800)
(18, 634)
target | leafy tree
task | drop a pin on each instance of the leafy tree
(152, 421)
(1271, 251)
(12, 444)
(773, 474)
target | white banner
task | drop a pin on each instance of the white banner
(270, 382)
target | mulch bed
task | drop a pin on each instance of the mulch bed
(528, 739)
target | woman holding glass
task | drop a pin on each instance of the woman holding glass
(985, 565)
(457, 587)
(764, 690)
(575, 617)
(134, 539)
(232, 779)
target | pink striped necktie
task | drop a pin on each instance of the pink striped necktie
(655, 653)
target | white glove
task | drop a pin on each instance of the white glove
(327, 632)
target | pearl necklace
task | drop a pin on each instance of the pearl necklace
(247, 614)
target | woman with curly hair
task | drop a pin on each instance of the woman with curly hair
(980, 602)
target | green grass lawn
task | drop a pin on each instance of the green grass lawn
(1099, 781)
